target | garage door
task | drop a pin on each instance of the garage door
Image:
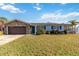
(17, 30)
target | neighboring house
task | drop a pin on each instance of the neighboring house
(20, 27)
(77, 28)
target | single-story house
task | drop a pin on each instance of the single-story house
(20, 27)
(50, 27)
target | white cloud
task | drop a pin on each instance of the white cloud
(10, 8)
(37, 4)
(72, 14)
(37, 7)
(1, 4)
(59, 17)
(12, 3)
(63, 3)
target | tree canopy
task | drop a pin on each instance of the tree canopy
(3, 19)
(73, 22)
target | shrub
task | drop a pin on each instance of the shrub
(56, 32)
(65, 31)
(61, 32)
(48, 32)
(40, 31)
(52, 32)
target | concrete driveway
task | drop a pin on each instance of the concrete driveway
(8, 38)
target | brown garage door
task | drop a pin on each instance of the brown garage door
(17, 30)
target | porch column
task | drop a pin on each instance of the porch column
(35, 29)
(68, 29)
(27, 30)
(7, 30)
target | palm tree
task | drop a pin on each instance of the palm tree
(73, 24)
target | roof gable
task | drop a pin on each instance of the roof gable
(17, 23)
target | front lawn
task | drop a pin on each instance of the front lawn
(43, 45)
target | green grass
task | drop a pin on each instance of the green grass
(43, 45)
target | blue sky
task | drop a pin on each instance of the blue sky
(40, 12)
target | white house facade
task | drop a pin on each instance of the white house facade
(49, 27)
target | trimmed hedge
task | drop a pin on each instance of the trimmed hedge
(42, 31)
(57, 32)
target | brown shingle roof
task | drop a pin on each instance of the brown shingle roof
(16, 22)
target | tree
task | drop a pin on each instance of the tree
(3, 19)
(73, 24)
